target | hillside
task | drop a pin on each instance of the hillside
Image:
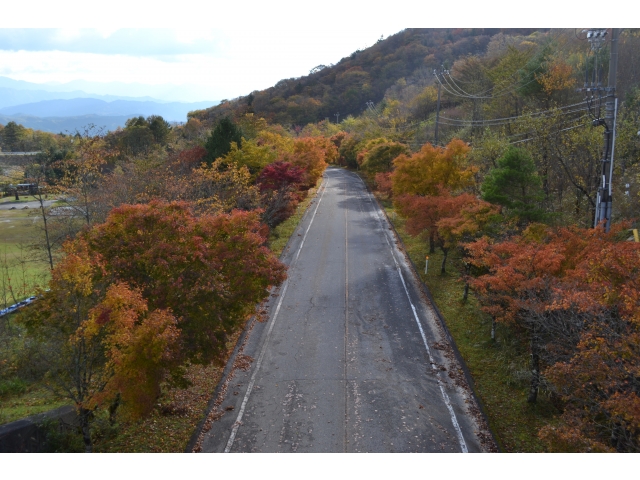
(364, 76)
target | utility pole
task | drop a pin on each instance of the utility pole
(438, 106)
(604, 198)
(337, 114)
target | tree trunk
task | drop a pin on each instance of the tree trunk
(535, 370)
(432, 242)
(86, 433)
(445, 251)
(46, 231)
(493, 329)
(113, 408)
(467, 269)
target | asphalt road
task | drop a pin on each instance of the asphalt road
(350, 357)
(23, 205)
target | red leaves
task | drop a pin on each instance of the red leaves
(192, 157)
(583, 287)
(279, 175)
(210, 270)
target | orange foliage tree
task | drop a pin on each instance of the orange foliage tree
(575, 292)
(445, 218)
(99, 341)
(312, 154)
(432, 168)
(209, 270)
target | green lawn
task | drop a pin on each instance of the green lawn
(33, 400)
(19, 265)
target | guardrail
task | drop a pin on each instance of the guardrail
(17, 306)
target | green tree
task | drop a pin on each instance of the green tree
(380, 156)
(12, 134)
(137, 137)
(515, 185)
(219, 142)
(160, 128)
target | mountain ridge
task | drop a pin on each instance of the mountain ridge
(170, 111)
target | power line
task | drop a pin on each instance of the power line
(549, 135)
(509, 120)
(510, 88)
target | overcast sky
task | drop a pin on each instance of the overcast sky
(222, 63)
(216, 49)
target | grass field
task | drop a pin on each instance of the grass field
(19, 265)
(31, 400)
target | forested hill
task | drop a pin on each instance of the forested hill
(364, 76)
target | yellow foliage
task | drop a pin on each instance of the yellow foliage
(432, 168)
(251, 155)
(558, 77)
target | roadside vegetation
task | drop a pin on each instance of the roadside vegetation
(164, 239)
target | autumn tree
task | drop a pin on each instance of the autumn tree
(348, 150)
(597, 380)
(431, 168)
(380, 155)
(82, 173)
(279, 175)
(573, 299)
(253, 156)
(279, 184)
(312, 154)
(98, 339)
(468, 219)
(209, 270)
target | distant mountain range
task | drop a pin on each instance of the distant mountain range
(172, 112)
(110, 91)
(67, 124)
(40, 107)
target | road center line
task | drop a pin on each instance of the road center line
(238, 421)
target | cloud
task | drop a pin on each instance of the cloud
(125, 41)
(225, 63)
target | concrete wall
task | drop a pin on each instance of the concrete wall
(27, 436)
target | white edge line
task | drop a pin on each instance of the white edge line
(238, 421)
(445, 397)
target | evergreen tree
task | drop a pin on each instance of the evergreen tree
(219, 142)
(515, 185)
(159, 127)
(12, 134)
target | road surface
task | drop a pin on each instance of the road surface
(350, 356)
(24, 205)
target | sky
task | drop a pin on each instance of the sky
(219, 62)
(213, 50)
